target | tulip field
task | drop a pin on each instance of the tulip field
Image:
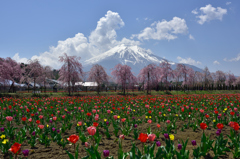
(133, 127)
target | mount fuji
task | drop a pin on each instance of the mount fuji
(133, 56)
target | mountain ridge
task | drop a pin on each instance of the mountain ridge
(133, 56)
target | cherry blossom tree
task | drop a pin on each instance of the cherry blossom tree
(177, 73)
(71, 71)
(123, 75)
(237, 82)
(10, 70)
(230, 79)
(206, 76)
(166, 73)
(219, 78)
(190, 76)
(148, 76)
(46, 73)
(98, 74)
(35, 72)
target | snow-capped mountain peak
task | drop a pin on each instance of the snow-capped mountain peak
(133, 56)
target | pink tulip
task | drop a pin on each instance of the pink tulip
(94, 111)
(151, 137)
(91, 130)
(96, 118)
(9, 118)
(160, 113)
(121, 136)
(40, 116)
(123, 119)
(115, 117)
(192, 108)
(41, 126)
(30, 119)
(87, 144)
(39, 109)
(54, 118)
(79, 108)
(82, 110)
(201, 110)
(80, 123)
(63, 116)
(235, 109)
(108, 111)
(169, 110)
(149, 121)
(147, 106)
(168, 121)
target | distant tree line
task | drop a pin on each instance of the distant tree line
(152, 77)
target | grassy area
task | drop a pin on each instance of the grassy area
(61, 94)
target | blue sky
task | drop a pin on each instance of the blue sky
(198, 32)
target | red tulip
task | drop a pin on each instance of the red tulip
(73, 138)
(24, 118)
(95, 124)
(220, 126)
(203, 126)
(91, 130)
(143, 137)
(38, 121)
(15, 148)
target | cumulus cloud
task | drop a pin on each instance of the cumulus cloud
(18, 59)
(209, 13)
(104, 36)
(195, 11)
(188, 61)
(191, 37)
(100, 40)
(228, 3)
(233, 59)
(216, 62)
(163, 30)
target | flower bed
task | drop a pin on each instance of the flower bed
(186, 126)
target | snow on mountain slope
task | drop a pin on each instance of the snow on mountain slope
(133, 56)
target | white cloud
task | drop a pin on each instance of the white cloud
(191, 37)
(18, 59)
(104, 36)
(233, 59)
(164, 30)
(228, 3)
(100, 40)
(210, 13)
(195, 11)
(188, 61)
(216, 62)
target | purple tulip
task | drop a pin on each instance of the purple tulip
(179, 146)
(218, 133)
(107, 122)
(58, 131)
(50, 121)
(2, 129)
(33, 133)
(105, 153)
(25, 152)
(135, 125)
(194, 142)
(158, 143)
(166, 136)
(53, 129)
